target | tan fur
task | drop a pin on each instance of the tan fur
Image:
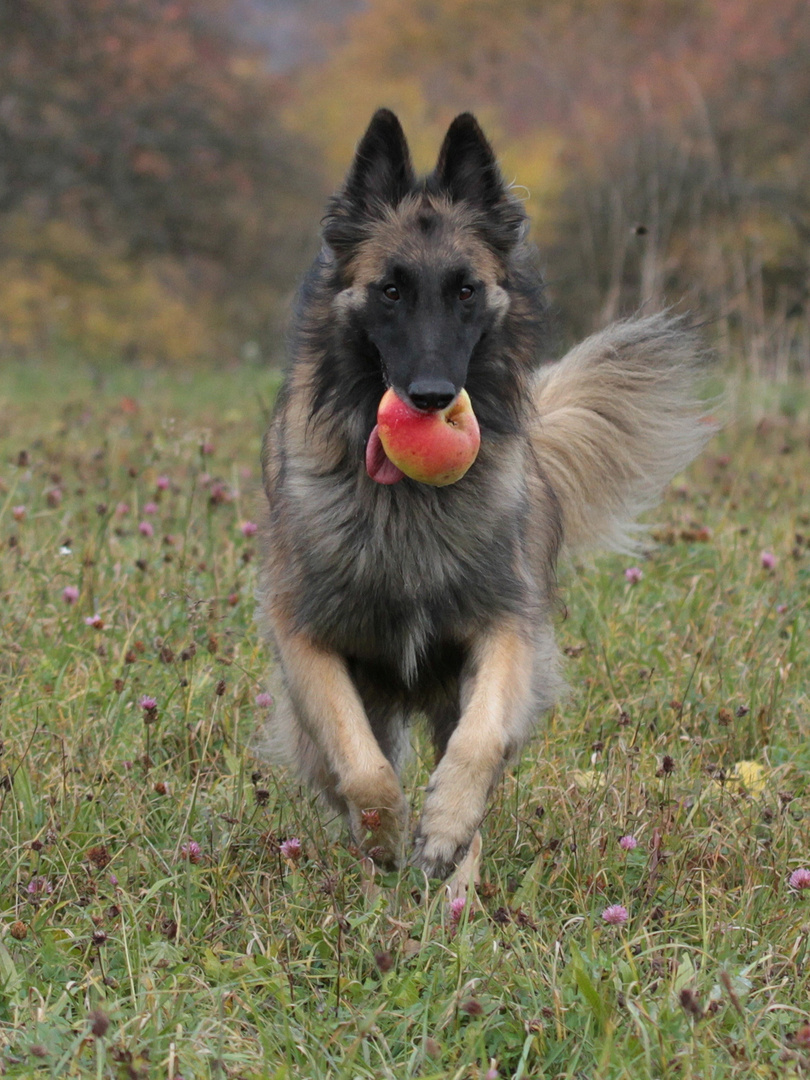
(616, 419)
(357, 775)
(399, 231)
(493, 723)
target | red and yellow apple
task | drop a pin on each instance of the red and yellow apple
(436, 447)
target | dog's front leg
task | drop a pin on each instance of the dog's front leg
(497, 710)
(328, 707)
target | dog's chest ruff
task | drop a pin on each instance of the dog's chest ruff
(391, 573)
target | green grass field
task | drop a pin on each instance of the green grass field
(152, 924)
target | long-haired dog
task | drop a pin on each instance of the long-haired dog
(385, 600)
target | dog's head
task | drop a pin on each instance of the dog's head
(422, 263)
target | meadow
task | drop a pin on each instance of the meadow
(172, 907)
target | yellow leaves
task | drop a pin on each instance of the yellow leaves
(427, 62)
(535, 162)
(63, 287)
(749, 775)
(588, 779)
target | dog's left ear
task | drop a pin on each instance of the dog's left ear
(468, 172)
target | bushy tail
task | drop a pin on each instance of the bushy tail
(617, 418)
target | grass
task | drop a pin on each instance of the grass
(152, 925)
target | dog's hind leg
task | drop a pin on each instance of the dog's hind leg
(500, 702)
(348, 760)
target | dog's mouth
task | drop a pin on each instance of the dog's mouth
(378, 465)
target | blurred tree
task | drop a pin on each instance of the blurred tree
(665, 143)
(145, 129)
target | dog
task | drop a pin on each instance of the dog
(384, 600)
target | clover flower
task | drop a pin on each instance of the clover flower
(799, 879)
(191, 851)
(456, 907)
(291, 849)
(615, 915)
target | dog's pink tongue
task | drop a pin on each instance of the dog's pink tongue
(378, 466)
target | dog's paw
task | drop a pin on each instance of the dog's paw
(437, 856)
(379, 826)
(450, 818)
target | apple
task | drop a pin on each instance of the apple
(435, 447)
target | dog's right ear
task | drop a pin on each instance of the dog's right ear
(382, 172)
(380, 176)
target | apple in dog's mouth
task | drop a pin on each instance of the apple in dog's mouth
(434, 447)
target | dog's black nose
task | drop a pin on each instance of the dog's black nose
(431, 393)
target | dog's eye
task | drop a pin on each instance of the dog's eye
(391, 292)
(466, 292)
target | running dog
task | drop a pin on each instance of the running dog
(385, 600)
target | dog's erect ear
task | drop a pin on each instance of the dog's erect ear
(382, 172)
(468, 172)
(467, 169)
(380, 176)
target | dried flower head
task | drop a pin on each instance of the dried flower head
(472, 1007)
(691, 1003)
(384, 961)
(667, 765)
(371, 820)
(99, 856)
(99, 1023)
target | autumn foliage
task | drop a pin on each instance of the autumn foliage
(163, 185)
(148, 197)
